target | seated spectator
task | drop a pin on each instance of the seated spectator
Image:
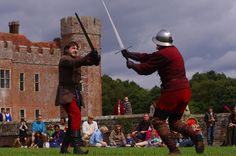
(119, 108)
(230, 138)
(153, 140)
(63, 125)
(88, 128)
(139, 134)
(129, 140)
(38, 132)
(39, 140)
(57, 137)
(97, 137)
(21, 141)
(8, 117)
(50, 131)
(117, 137)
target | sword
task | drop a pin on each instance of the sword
(85, 33)
(114, 28)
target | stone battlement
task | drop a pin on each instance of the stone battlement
(33, 54)
(91, 24)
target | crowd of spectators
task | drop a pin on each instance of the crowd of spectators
(144, 135)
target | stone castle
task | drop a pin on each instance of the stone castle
(29, 71)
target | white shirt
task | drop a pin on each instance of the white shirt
(89, 128)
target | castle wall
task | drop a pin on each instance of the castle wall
(30, 61)
(20, 55)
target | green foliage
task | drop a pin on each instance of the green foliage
(126, 124)
(211, 89)
(112, 90)
(208, 89)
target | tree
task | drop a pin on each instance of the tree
(211, 89)
(208, 88)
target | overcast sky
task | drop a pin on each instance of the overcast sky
(203, 30)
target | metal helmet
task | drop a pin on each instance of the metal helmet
(163, 38)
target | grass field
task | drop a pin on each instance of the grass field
(209, 151)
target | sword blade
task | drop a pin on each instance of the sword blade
(85, 33)
(114, 27)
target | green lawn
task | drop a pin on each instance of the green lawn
(209, 151)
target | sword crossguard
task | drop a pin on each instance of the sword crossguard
(122, 49)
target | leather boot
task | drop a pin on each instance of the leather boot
(166, 135)
(77, 141)
(65, 143)
(186, 130)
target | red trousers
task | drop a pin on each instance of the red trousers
(174, 101)
(74, 115)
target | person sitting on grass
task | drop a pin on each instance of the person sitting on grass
(153, 140)
(38, 131)
(57, 137)
(38, 141)
(97, 138)
(117, 137)
(21, 141)
(139, 134)
(129, 140)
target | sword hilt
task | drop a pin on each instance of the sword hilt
(122, 49)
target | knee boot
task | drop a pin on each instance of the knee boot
(166, 135)
(66, 142)
(186, 130)
(77, 141)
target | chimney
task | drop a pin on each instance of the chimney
(14, 27)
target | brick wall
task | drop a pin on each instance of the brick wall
(20, 55)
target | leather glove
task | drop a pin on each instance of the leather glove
(94, 54)
(125, 53)
(98, 60)
(130, 64)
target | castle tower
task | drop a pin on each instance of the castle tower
(90, 76)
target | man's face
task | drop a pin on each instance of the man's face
(57, 129)
(126, 99)
(90, 120)
(146, 117)
(73, 50)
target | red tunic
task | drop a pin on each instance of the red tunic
(175, 88)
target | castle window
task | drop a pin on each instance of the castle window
(22, 114)
(4, 78)
(36, 82)
(5, 44)
(22, 81)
